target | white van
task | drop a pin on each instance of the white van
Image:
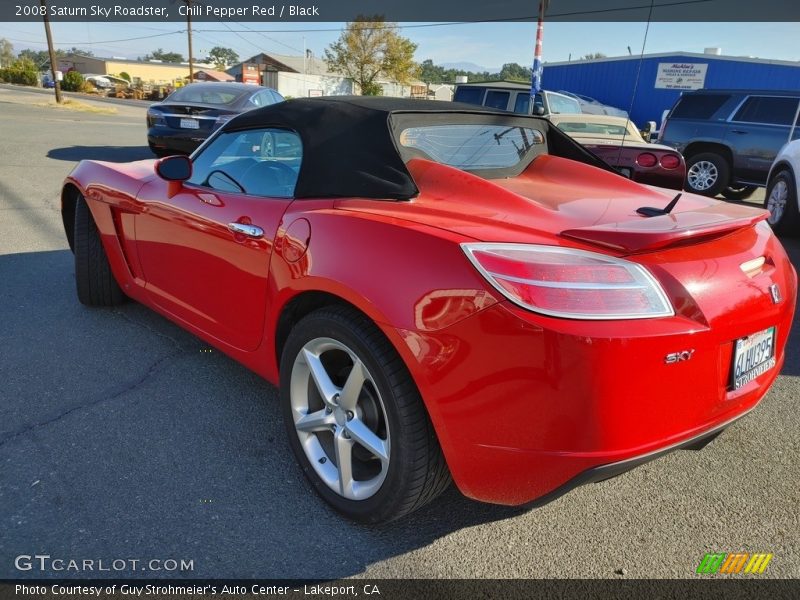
(516, 97)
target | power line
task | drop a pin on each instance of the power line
(269, 38)
(142, 37)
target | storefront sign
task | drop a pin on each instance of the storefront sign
(681, 76)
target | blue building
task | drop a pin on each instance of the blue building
(663, 77)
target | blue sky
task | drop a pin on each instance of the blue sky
(486, 44)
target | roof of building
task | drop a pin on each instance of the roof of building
(214, 75)
(155, 63)
(311, 65)
(693, 55)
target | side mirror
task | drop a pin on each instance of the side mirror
(174, 168)
(538, 111)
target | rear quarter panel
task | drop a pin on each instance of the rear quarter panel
(405, 277)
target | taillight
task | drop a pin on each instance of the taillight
(670, 161)
(574, 284)
(155, 117)
(646, 159)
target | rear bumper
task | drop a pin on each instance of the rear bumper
(177, 140)
(611, 470)
(522, 410)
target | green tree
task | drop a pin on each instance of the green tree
(515, 72)
(72, 82)
(593, 55)
(430, 73)
(39, 57)
(160, 54)
(370, 48)
(125, 76)
(222, 58)
(6, 53)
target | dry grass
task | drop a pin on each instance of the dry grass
(69, 104)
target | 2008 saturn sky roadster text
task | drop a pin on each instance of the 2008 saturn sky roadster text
(443, 291)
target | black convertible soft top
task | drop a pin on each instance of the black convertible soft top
(349, 142)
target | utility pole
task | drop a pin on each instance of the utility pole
(189, 32)
(53, 65)
(538, 68)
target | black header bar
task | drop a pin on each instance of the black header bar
(309, 11)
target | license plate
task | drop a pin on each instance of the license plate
(753, 356)
(190, 124)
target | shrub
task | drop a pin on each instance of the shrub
(72, 82)
(27, 77)
(19, 76)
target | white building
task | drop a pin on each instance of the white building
(299, 77)
(292, 76)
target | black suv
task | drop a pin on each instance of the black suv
(730, 137)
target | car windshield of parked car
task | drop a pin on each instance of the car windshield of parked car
(472, 147)
(591, 129)
(206, 95)
(258, 162)
(562, 104)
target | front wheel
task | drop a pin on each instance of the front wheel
(707, 173)
(355, 419)
(781, 202)
(93, 277)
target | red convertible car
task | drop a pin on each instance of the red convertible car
(444, 291)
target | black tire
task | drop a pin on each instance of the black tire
(93, 277)
(786, 221)
(742, 192)
(713, 184)
(416, 472)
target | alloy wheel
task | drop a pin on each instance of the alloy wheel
(702, 175)
(340, 418)
(776, 202)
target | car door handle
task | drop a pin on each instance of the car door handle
(739, 132)
(252, 231)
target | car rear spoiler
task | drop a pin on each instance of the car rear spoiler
(673, 229)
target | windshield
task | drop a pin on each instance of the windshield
(599, 129)
(562, 104)
(475, 146)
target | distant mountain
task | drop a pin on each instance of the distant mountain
(469, 66)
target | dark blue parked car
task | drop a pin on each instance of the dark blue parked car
(190, 114)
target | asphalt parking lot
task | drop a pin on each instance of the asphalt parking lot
(122, 436)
